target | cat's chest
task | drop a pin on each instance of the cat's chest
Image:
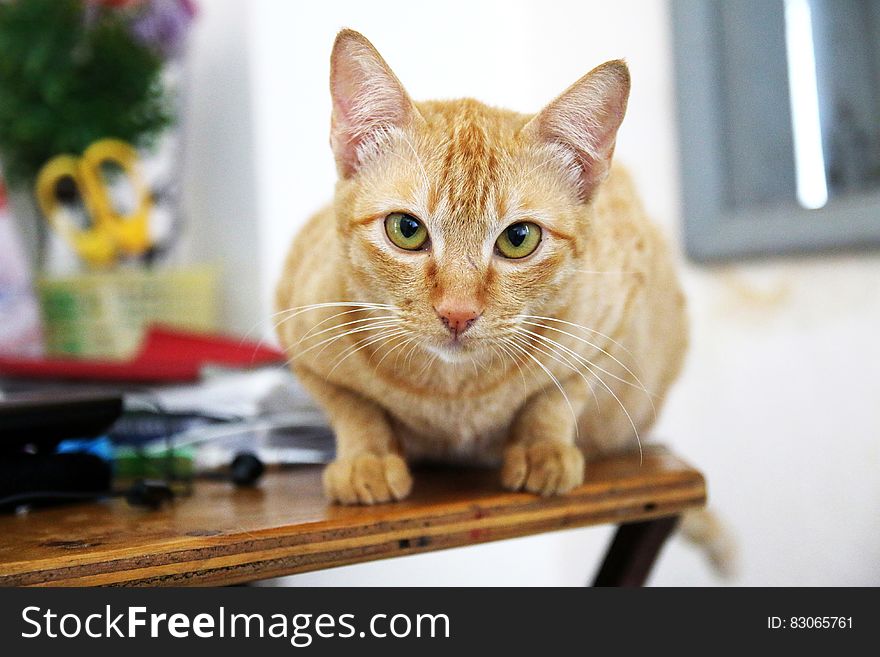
(471, 426)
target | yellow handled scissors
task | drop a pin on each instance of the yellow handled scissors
(111, 233)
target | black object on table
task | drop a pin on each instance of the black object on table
(32, 425)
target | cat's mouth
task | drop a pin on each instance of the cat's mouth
(451, 350)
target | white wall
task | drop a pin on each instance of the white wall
(223, 226)
(778, 403)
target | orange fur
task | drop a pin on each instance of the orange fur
(612, 333)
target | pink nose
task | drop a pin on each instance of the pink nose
(457, 316)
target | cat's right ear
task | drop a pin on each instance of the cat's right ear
(368, 100)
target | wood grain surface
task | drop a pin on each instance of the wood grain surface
(223, 535)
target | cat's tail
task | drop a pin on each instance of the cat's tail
(708, 532)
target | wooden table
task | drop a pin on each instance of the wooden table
(223, 535)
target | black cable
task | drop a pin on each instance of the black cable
(146, 492)
(21, 499)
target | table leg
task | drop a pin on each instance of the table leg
(633, 551)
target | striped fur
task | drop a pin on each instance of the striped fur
(575, 345)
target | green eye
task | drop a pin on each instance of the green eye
(405, 231)
(519, 240)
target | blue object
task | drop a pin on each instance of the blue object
(100, 447)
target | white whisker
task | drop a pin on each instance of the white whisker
(379, 324)
(339, 326)
(391, 351)
(589, 363)
(512, 355)
(626, 412)
(390, 333)
(292, 312)
(622, 407)
(333, 304)
(347, 312)
(295, 312)
(564, 360)
(555, 381)
(409, 354)
(427, 365)
(567, 361)
(585, 341)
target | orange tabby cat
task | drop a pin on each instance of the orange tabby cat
(485, 287)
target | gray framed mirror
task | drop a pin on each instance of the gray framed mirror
(779, 125)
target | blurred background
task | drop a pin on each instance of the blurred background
(752, 133)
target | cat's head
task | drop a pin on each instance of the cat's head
(461, 215)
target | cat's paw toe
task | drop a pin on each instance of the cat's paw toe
(546, 467)
(367, 479)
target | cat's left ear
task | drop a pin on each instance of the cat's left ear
(368, 100)
(583, 122)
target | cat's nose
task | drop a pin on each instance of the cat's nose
(458, 316)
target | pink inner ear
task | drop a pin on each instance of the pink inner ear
(367, 100)
(585, 119)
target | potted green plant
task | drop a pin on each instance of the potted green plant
(76, 75)
(75, 71)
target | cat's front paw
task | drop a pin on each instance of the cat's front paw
(546, 467)
(367, 479)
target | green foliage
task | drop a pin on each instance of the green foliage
(66, 81)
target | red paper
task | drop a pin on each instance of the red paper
(167, 356)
